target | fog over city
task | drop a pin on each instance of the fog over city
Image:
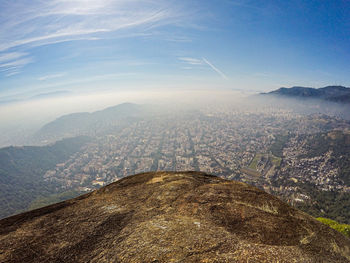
(20, 120)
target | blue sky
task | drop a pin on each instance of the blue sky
(84, 46)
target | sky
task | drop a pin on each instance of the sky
(85, 46)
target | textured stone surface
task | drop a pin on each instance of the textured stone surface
(170, 217)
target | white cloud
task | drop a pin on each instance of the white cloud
(11, 56)
(17, 63)
(192, 61)
(52, 76)
(201, 62)
(12, 73)
(13, 62)
(46, 22)
(215, 69)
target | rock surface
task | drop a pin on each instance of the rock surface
(170, 217)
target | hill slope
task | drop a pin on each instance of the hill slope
(170, 217)
(329, 93)
(85, 123)
(22, 170)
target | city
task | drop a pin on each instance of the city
(233, 145)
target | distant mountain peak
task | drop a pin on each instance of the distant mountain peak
(329, 93)
(170, 217)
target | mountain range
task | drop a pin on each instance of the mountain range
(171, 217)
(330, 93)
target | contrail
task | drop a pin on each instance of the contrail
(215, 68)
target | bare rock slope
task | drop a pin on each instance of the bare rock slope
(170, 217)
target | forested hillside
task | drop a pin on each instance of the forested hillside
(339, 143)
(329, 151)
(22, 170)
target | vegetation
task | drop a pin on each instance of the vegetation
(339, 143)
(52, 199)
(277, 147)
(331, 93)
(22, 170)
(251, 172)
(276, 161)
(254, 163)
(268, 158)
(330, 204)
(342, 228)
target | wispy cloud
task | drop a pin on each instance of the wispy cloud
(191, 61)
(16, 63)
(52, 76)
(215, 69)
(11, 56)
(25, 26)
(45, 22)
(12, 62)
(12, 73)
(201, 62)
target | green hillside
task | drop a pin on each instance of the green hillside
(342, 228)
(22, 170)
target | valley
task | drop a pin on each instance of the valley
(267, 148)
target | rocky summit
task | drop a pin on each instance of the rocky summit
(170, 217)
